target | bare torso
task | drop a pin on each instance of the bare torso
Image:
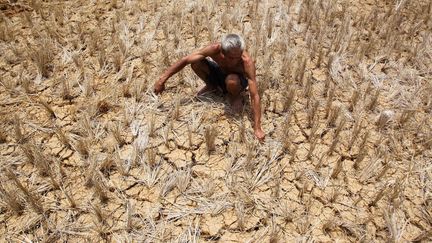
(227, 68)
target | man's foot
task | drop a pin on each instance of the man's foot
(236, 104)
(206, 89)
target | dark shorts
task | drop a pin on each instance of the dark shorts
(217, 76)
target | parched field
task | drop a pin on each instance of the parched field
(90, 154)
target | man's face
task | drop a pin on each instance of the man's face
(233, 56)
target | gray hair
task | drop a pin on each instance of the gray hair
(232, 41)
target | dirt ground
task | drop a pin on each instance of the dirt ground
(90, 154)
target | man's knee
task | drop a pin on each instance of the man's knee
(232, 82)
(195, 66)
(199, 66)
(201, 69)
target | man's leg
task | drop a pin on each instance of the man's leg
(234, 88)
(202, 70)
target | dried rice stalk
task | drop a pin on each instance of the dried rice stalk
(166, 132)
(384, 170)
(293, 154)
(362, 146)
(328, 86)
(240, 214)
(395, 230)
(116, 133)
(360, 157)
(329, 102)
(151, 157)
(69, 197)
(47, 107)
(31, 198)
(102, 59)
(334, 194)
(405, 116)
(119, 163)
(385, 117)
(340, 127)
(3, 135)
(312, 146)
(118, 60)
(373, 102)
(210, 136)
(26, 84)
(152, 125)
(308, 88)
(355, 133)
(175, 114)
(378, 196)
(43, 57)
(64, 139)
(40, 161)
(98, 213)
(311, 116)
(19, 137)
(11, 200)
(354, 99)
(423, 236)
(338, 168)
(183, 180)
(53, 179)
(129, 212)
(289, 99)
(99, 188)
(169, 185)
(66, 89)
(334, 114)
(301, 70)
(82, 147)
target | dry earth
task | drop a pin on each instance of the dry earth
(89, 153)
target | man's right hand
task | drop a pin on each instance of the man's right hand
(259, 134)
(159, 87)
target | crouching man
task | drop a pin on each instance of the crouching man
(223, 66)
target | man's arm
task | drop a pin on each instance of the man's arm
(249, 67)
(179, 65)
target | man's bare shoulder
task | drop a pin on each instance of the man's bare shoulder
(210, 49)
(215, 46)
(247, 59)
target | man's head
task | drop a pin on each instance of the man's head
(232, 46)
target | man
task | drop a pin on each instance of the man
(224, 66)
